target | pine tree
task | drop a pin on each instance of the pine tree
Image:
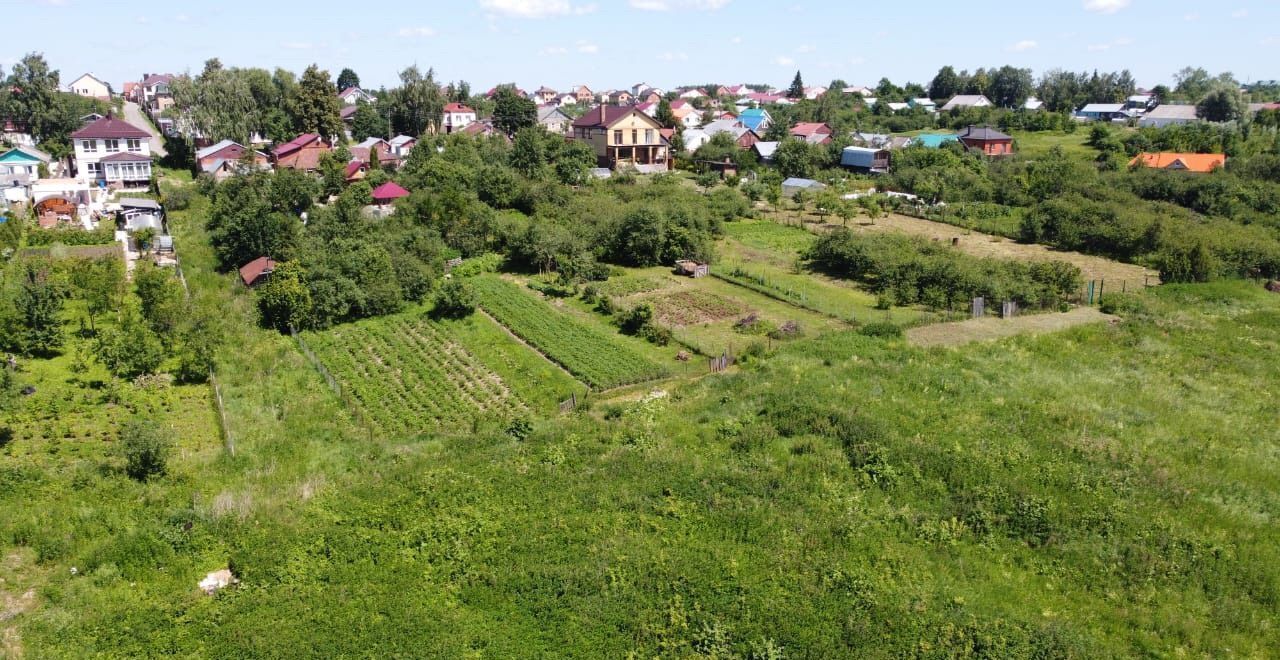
(796, 91)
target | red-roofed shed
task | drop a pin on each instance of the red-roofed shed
(388, 192)
(257, 271)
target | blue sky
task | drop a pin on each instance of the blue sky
(616, 43)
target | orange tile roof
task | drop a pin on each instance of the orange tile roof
(1167, 160)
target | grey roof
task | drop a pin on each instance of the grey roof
(400, 140)
(966, 100)
(214, 148)
(213, 165)
(547, 113)
(138, 203)
(369, 142)
(859, 156)
(983, 133)
(1172, 112)
(765, 149)
(1102, 107)
(795, 182)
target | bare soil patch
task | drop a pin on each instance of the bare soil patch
(988, 328)
(693, 306)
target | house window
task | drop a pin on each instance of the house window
(617, 137)
(134, 145)
(112, 146)
(648, 136)
(91, 168)
(635, 136)
(90, 146)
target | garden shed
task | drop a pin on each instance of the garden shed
(691, 268)
(794, 185)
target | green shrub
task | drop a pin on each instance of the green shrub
(882, 329)
(1120, 303)
(145, 449)
(454, 300)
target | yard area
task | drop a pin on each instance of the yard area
(987, 328)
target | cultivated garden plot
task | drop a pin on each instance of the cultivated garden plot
(407, 375)
(597, 359)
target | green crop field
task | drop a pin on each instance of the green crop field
(592, 356)
(408, 376)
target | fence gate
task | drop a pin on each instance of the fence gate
(570, 404)
(1009, 309)
(979, 307)
(718, 364)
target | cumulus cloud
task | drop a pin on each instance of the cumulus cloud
(783, 60)
(1105, 6)
(555, 50)
(588, 48)
(673, 57)
(669, 5)
(1024, 45)
(1240, 13)
(535, 8)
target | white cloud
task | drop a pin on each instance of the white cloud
(1240, 13)
(1024, 45)
(588, 48)
(806, 48)
(297, 45)
(669, 5)
(1093, 48)
(555, 50)
(1191, 17)
(1114, 43)
(855, 61)
(673, 57)
(1123, 41)
(783, 60)
(423, 31)
(535, 8)
(1105, 6)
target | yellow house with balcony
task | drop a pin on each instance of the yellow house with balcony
(622, 136)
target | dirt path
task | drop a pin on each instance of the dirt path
(987, 245)
(988, 328)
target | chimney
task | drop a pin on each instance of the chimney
(601, 113)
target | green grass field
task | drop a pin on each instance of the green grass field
(1034, 144)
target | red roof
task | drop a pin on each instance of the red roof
(348, 91)
(348, 112)
(295, 144)
(156, 78)
(353, 167)
(805, 129)
(1202, 163)
(110, 128)
(389, 191)
(251, 272)
(458, 107)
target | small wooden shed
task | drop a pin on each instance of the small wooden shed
(690, 268)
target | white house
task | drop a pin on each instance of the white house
(112, 151)
(353, 95)
(457, 117)
(401, 145)
(19, 168)
(554, 119)
(1169, 115)
(88, 85)
(694, 138)
(155, 86)
(967, 101)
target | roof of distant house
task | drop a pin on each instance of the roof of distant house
(1179, 161)
(354, 166)
(966, 101)
(796, 182)
(369, 142)
(985, 133)
(156, 78)
(1102, 107)
(458, 107)
(295, 144)
(110, 128)
(603, 116)
(805, 129)
(765, 149)
(351, 90)
(389, 191)
(124, 157)
(549, 112)
(348, 112)
(214, 148)
(251, 272)
(1169, 111)
(401, 140)
(935, 140)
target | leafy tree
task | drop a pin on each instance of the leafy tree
(244, 224)
(219, 103)
(333, 170)
(417, 106)
(163, 301)
(347, 79)
(317, 108)
(1192, 83)
(796, 90)
(1222, 103)
(454, 300)
(130, 348)
(99, 282)
(794, 158)
(527, 151)
(945, 83)
(573, 162)
(512, 112)
(201, 335)
(978, 83)
(145, 448)
(1010, 87)
(707, 180)
(284, 300)
(367, 122)
(39, 311)
(665, 115)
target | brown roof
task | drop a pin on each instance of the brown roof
(123, 156)
(295, 144)
(251, 272)
(604, 116)
(110, 128)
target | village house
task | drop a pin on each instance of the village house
(795, 185)
(354, 95)
(155, 91)
(19, 168)
(401, 145)
(1169, 115)
(967, 101)
(545, 95)
(16, 132)
(113, 152)
(744, 137)
(584, 95)
(756, 119)
(694, 138)
(566, 99)
(89, 86)
(987, 140)
(300, 153)
(374, 150)
(865, 159)
(554, 119)
(623, 136)
(257, 271)
(621, 97)
(227, 158)
(457, 116)
(1102, 112)
(1179, 162)
(811, 132)
(927, 104)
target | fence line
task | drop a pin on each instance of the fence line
(228, 440)
(350, 404)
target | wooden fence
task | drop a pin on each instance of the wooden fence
(351, 404)
(228, 440)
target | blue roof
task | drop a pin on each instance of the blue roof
(935, 140)
(18, 155)
(753, 117)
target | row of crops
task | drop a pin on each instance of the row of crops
(408, 377)
(589, 354)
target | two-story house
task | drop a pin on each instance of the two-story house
(227, 158)
(584, 95)
(353, 95)
(19, 168)
(458, 116)
(113, 152)
(154, 91)
(545, 95)
(90, 86)
(623, 136)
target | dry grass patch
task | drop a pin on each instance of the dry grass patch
(694, 306)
